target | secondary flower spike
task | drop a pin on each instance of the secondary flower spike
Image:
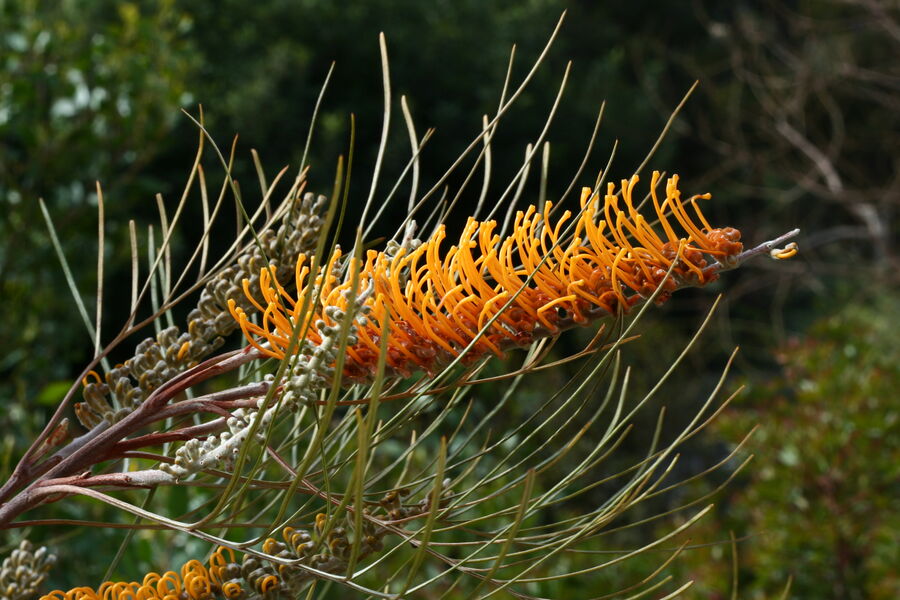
(491, 292)
(221, 578)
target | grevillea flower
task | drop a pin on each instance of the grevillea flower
(254, 578)
(196, 581)
(491, 292)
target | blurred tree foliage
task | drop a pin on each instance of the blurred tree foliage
(790, 127)
(820, 501)
(88, 92)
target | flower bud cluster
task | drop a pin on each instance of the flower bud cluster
(23, 571)
(329, 549)
(297, 234)
(155, 362)
(323, 548)
(158, 360)
(219, 451)
(311, 370)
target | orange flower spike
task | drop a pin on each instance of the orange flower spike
(440, 300)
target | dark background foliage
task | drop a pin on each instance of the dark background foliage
(793, 125)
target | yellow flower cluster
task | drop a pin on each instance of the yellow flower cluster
(196, 581)
(493, 293)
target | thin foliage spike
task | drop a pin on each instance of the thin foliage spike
(486, 293)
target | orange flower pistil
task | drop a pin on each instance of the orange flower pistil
(491, 292)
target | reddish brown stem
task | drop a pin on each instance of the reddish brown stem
(97, 445)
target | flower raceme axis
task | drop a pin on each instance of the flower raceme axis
(487, 292)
